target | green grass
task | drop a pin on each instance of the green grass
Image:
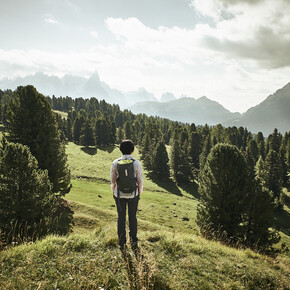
(173, 255)
(168, 260)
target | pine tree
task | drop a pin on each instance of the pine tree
(32, 123)
(250, 162)
(87, 135)
(261, 144)
(223, 188)
(137, 131)
(274, 141)
(26, 199)
(146, 152)
(175, 160)
(194, 148)
(271, 176)
(128, 130)
(69, 129)
(252, 148)
(113, 131)
(99, 131)
(258, 218)
(205, 151)
(160, 168)
(77, 128)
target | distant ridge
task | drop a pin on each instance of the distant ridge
(201, 111)
(273, 112)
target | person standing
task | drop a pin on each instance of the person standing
(127, 185)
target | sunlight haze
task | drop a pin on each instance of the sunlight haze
(235, 52)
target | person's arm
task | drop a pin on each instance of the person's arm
(113, 177)
(139, 176)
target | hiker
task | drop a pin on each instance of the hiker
(127, 185)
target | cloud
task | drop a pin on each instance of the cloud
(162, 44)
(257, 30)
(50, 19)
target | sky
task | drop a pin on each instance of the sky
(235, 52)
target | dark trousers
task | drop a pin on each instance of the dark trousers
(121, 204)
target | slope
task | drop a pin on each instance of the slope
(173, 255)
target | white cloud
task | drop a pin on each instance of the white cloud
(174, 44)
(50, 19)
(257, 30)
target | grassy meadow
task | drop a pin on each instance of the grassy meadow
(172, 253)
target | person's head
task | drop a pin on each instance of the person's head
(126, 147)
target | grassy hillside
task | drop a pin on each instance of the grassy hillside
(173, 255)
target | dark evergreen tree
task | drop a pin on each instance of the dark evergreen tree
(32, 123)
(137, 131)
(26, 199)
(274, 141)
(77, 128)
(160, 168)
(218, 133)
(258, 218)
(271, 174)
(146, 152)
(113, 131)
(205, 151)
(261, 144)
(252, 149)
(128, 130)
(87, 135)
(175, 160)
(250, 162)
(99, 131)
(69, 129)
(179, 163)
(223, 188)
(192, 128)
(194, 148)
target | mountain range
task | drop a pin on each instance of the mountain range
(272, 113)
(201, 111)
